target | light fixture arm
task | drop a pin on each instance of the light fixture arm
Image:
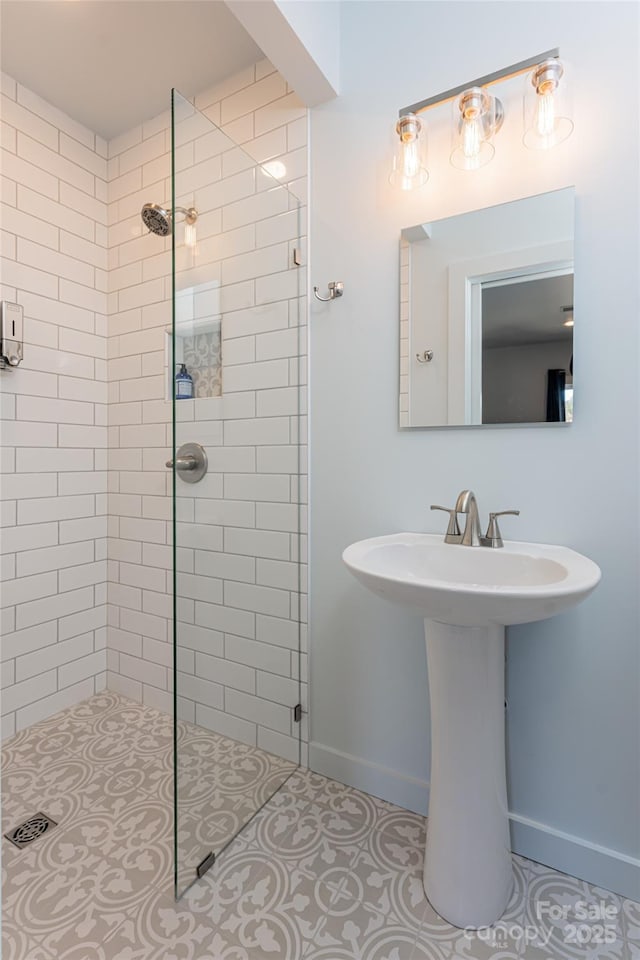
(511, 71)
(190, 213)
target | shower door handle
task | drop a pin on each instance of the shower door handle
(191, 462)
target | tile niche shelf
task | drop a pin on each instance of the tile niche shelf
(198, 340)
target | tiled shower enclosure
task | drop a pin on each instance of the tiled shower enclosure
(87, 430)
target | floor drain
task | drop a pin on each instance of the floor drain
(30, 830)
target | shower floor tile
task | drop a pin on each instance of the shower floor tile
(321, 872)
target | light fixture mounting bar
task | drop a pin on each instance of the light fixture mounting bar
(512, 71)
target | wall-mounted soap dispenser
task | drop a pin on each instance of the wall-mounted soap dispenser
(10, 334)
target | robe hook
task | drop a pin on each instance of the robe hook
(336, 289)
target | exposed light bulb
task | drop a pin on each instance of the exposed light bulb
(409, 169)
(477, 116)
(190, 238)
(471, 138)
(190, 219)
(410, 160)
(545, 124)
(545, 117)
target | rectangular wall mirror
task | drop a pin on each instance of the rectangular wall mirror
(486, 316)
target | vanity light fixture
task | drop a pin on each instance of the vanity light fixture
(409, 163)
(478, 116)
(545, 122)
(568, 312)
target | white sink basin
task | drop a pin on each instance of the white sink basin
(467, 595)
(473, 586)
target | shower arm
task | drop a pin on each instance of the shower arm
(190, 213)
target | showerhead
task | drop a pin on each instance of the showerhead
(160, 221)
(157, 219)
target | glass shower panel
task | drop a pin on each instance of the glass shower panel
(232, 371)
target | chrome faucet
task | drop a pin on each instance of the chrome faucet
(466, 503)
(472, 535)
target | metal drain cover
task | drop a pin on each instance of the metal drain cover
(30, 830)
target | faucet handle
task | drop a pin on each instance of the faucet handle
(494, 537)
(453, 530)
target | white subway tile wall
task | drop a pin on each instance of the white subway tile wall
(53, 407)
(90, 397)
(241, 587)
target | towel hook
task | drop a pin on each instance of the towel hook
(336, 289)
(425, 357)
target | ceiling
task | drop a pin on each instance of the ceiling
(110, 64)
(527, 311)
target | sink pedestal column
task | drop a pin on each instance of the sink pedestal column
(467, 874)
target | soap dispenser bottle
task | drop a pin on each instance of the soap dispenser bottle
(184, 384)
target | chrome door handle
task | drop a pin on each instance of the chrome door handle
(190, 463)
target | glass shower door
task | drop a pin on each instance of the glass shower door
(232, 370)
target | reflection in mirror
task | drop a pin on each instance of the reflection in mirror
(487, 316)
(526, 344)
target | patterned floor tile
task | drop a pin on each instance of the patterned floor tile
(502, 940)
(320, 872)
(63, 888)
(353, 931)
(72, 884)
(479, 950)
(17, 945)
(131, 731)
(33, 772)
(33, 748)
(201, 830)
(81, 715)
(273, 822)
(499, 942)
(319, 823)
(159, 776)
(572, 917)
(161, 929)
(315, 841)
(307, 785)
(66, 787)
(261, 904)
(387, 875)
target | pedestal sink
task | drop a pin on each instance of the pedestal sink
(467, 595)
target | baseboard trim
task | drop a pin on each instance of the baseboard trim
(408, 792)
(575, 856)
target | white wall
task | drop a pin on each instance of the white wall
(53, 434)
(317, 24)
(514, 380)
(301, 39)
(573, 717)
